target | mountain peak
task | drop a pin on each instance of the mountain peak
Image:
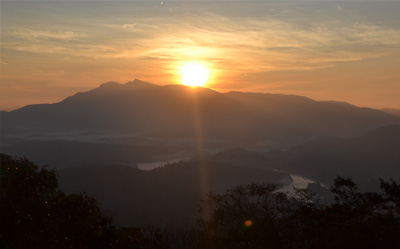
(113, 86)
(110, 84)
(139, 83)
(135, 83)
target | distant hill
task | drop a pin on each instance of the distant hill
(394, 112)
(365, 158)
(168, 196)
(63, 154)
(177, 111)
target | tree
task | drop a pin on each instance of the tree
(391, 190)
(256, 215)
(35, 213)
(259, 216)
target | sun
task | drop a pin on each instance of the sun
(194, 74)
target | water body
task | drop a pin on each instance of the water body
(154, 165)
(298, 182)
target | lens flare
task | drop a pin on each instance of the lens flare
(248, 223)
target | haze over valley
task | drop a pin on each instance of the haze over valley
(98, 139)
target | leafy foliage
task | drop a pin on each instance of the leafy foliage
(259, 216)
(35, 213)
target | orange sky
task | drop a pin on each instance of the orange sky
(345, 51)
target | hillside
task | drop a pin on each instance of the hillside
(167, 196)
(177, 111)
(364, 158)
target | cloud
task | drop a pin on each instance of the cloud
(43, 35)
(263, 43)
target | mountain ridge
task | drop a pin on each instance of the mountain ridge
(144, 108)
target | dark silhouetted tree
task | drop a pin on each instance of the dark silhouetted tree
(256, 216)
(35, 213)
(259, 216)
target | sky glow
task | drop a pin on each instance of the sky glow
(345, 51)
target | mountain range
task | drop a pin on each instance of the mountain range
(176, 111)
(98, 139)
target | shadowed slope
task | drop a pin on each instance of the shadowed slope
(167, 111)
(166, 196)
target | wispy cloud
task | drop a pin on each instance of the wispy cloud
(42, 35)
(241, 41)
(256, 44)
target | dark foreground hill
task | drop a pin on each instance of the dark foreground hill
(64, 154)
(170, 195)
(167, 196)
(177, 111)
(363, 158)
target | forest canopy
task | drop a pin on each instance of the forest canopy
(35, 213)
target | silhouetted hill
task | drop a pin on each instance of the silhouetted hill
(61, 154)
(177, 111)
(391, 133)
(241, 157)
(165, 196)
(364, 158)
(338, 103)
(375, 154)
(394, 112)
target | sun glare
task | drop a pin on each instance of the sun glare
(194, 74)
